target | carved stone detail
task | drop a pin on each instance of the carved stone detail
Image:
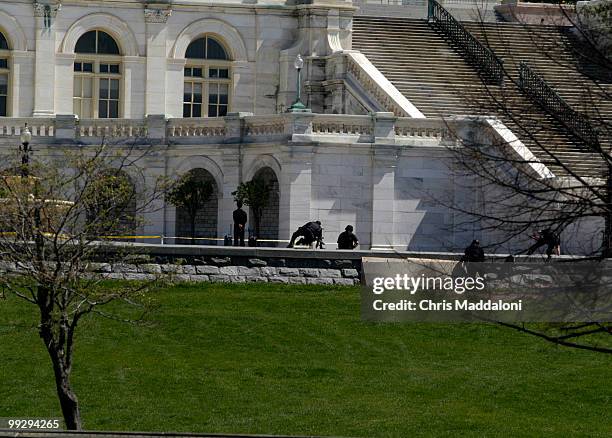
(157, 15)
(46, 10)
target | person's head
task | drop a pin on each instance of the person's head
(475, 242)
(239, 204)
(349, 228)
(318, 222)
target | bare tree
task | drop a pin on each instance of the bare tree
(538, 152)
(56, 210)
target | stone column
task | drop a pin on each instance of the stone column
(231, 178)
(154, 166)
(21, 68)
(64, 83)
(384, 163)
(44, 70)
(131, 68)
(295, 184)
(156, 17)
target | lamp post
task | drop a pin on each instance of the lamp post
(298, 106)
(26, 138)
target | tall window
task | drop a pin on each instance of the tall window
(207, 79)
(97, 76)
(4, 75)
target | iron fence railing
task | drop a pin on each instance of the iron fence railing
(477, 54)
(538, 90)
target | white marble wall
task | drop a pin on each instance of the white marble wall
(153, 55)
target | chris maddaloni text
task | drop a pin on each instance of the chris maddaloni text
(444, 305)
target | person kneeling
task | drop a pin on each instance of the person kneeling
(347, 240)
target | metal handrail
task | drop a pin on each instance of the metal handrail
(536, 88)
(477, 54)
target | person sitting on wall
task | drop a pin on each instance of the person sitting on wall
(310, 232)
(347, 240)
(240, 220)
(474, 253)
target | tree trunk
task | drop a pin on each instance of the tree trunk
(69, 403)
(60, 358)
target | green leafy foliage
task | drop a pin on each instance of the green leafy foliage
(191, 194)
(255, 194)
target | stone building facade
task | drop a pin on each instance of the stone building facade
(207, 85)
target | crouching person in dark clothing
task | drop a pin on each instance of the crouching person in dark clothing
(309, 233)
(549, 238)
(347, 240)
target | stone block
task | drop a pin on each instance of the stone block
(94, 267)
(257, 279)
(207, 270)
(150, 268)
(171, 269)
(219, 278)
(297, 280)
(181, 278)
(189, 269)
(257, 262)
(288, 272)
(228, 270)
(309, 272)
(10, 267)
(319, 281)
(350, 273)
(344, 281)
(124, 268)
(237, 279)
(330, 273)
(243, 270)
(199, 278)
(220, 261)
(277, 279)
(268, 271)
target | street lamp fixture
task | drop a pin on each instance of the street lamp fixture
(298, 106)
(26, 138)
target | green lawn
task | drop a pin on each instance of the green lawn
(298, 360)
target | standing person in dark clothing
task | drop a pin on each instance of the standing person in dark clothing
(474, 253)
(549, 238)
(240, 220)
(310, 232)
(347, 240)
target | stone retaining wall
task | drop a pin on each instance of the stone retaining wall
(231, 274)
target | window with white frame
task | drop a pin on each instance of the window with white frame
(207, 79)
(97, 76)
(4, 75)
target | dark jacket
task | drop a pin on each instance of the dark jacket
(314, 229)
(240, 216)
(347, 240)
(474, 253)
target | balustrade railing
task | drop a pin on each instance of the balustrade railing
(109, 128)
(478, 55)
(366, 128)
(538, 90)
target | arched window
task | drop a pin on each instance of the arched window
(207, 79)
(97, 76)
(4, 75)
